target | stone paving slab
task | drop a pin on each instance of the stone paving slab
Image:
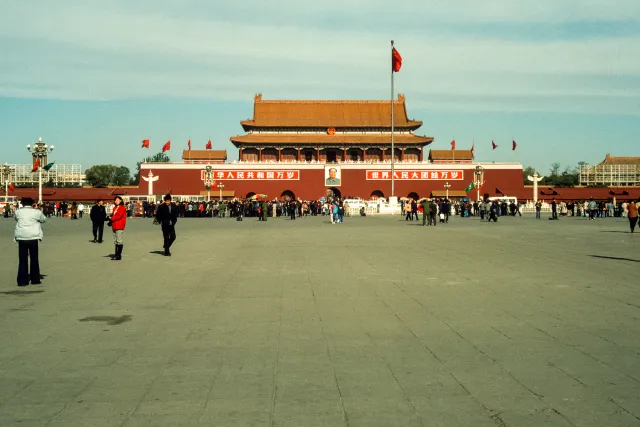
(374, 322)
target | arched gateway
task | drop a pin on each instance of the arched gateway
(288, 195)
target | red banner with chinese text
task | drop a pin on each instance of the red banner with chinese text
(247, 175)
(382, 175)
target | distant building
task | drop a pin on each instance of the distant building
(612, 172)
(59, 174)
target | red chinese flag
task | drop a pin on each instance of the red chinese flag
(213, 185)
(453, 144)
(145, 143)
(396, 60)
(189, 144)
(494, 145)
(208, 147)
(36, 165)
(11, 187)
(166, 146)
(514, 145)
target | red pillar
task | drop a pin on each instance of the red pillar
(383, 150)
(298, 154)
(317, 154)
(421, 155)
(260, 154)
(402, 154)
(279, 154)
(240, 154)
(344, 154)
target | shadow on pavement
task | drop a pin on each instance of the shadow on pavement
(616, 258)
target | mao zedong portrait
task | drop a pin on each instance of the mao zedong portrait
(332, 179)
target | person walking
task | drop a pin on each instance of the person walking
(28, 233)
(538, 209)
(118, 221)
(632, 214)
(425, 211)
(80, 209)
(74, 210)
(433, 212)
(264, 210)
(167, 216)
(98, 216)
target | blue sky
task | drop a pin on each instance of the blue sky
(94, 78)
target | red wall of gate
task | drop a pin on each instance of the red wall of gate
(311, 185)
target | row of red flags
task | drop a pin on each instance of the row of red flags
(514, 145)
(146, 143)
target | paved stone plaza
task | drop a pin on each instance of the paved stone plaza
(374, 322)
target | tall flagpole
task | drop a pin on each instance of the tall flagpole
(393, 150)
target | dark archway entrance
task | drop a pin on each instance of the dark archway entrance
(288, 195)
(413, 195)
(376, 194)
(334, 192)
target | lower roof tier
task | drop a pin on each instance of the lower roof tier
(326, 139)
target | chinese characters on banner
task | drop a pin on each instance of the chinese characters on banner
(271, 175)
(381, 175)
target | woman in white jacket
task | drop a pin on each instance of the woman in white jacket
(28, 233)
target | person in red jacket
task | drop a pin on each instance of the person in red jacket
(118, 221)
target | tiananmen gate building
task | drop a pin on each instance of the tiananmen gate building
(302, 149)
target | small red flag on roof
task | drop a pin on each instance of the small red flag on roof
(166, 146)
(36, 165)
(189, 144)
(453, 144)
(396, 60)
(145, 143)
(515, 144)
(208, 147)
(494, 145)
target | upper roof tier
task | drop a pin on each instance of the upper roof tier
(612, 160)
(328, 114)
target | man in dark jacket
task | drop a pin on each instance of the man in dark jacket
(433, 212)
(167, 216)
(98, 217)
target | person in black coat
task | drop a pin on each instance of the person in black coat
(98, 217)
(167, 216)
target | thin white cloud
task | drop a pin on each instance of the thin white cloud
(91, 50)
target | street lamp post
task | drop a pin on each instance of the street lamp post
(479, 180)
(447, 186)
(208, 180)
(6, 175)
(40, 152)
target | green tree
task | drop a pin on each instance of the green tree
(105, 175)
(121, 176)
(156, 158)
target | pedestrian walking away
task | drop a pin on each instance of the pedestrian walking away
(632, 214)
(118, 221)
(167, 216)
(98, 216)
(28, 233)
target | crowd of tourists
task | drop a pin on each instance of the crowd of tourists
(31, 216)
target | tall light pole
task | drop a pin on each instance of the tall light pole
(40, 152)
(208, 180)
(6, 175)
(220, 186)
(479, 179)
(447, 186)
